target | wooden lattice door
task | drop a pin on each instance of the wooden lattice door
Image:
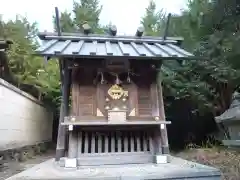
(115, 147)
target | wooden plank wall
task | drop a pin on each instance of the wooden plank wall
(144, 97)
(83, 95)
(144, 101)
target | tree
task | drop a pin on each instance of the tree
(207, 83)
(29, 71)
(105, 28)
(20, 55)
(66, 22)
(83, 11)
(152, 19)
(87, 11)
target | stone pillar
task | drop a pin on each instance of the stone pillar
(71, 160)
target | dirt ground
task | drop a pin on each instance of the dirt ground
(228, 161)
(10, 168)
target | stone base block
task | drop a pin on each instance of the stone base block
(70, 163)
(161, 159)
(231, 143)
(176, 169)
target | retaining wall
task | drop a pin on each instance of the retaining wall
(23, 119)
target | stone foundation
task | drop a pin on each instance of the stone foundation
(177, 169)
(24, 153)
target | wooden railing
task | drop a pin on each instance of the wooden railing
(113, 142)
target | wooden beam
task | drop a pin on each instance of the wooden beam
(157, 142)
(162, 128)
(73, 145)
(60, 149)
(67, 88)
(164, 139)
(57, 21)
(68, 80)
(167, 27)
(155, 100)
(64, 76)
(64, 110)
(100, 121)
(160, 98)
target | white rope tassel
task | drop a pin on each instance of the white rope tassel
(117, 80)
(102, 78)
(128, 78)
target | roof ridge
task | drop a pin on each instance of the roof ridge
(44, 35)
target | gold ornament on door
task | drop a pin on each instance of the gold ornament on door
(116, 92)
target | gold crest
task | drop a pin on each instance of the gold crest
(116, 92)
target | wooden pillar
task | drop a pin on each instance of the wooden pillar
(164, 139)
(162, 128)
(73, 145)
(68, 89)
(157, 141)
(61, 138)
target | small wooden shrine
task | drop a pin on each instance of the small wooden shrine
(229, 121)
(116, 112)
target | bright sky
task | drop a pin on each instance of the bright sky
(125, 14)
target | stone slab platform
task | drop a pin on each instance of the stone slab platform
(175, 170)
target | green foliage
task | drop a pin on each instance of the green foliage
(66, 22)
(105, 28)
(20, 56)
(29, 69)
(152, 20)
(83, 11)
(25, 67)
(209, 29)
(49, 82)
(89, 11)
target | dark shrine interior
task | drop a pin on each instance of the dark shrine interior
(142, 72)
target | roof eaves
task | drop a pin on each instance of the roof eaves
(111, 57)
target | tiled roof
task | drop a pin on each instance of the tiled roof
(103, 46)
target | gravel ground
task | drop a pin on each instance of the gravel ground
(12, 167)
(228, 161)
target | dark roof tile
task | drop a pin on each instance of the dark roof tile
(121, 46)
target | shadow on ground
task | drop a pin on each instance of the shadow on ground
(11, 167)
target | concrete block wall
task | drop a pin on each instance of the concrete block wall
(23, 119)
